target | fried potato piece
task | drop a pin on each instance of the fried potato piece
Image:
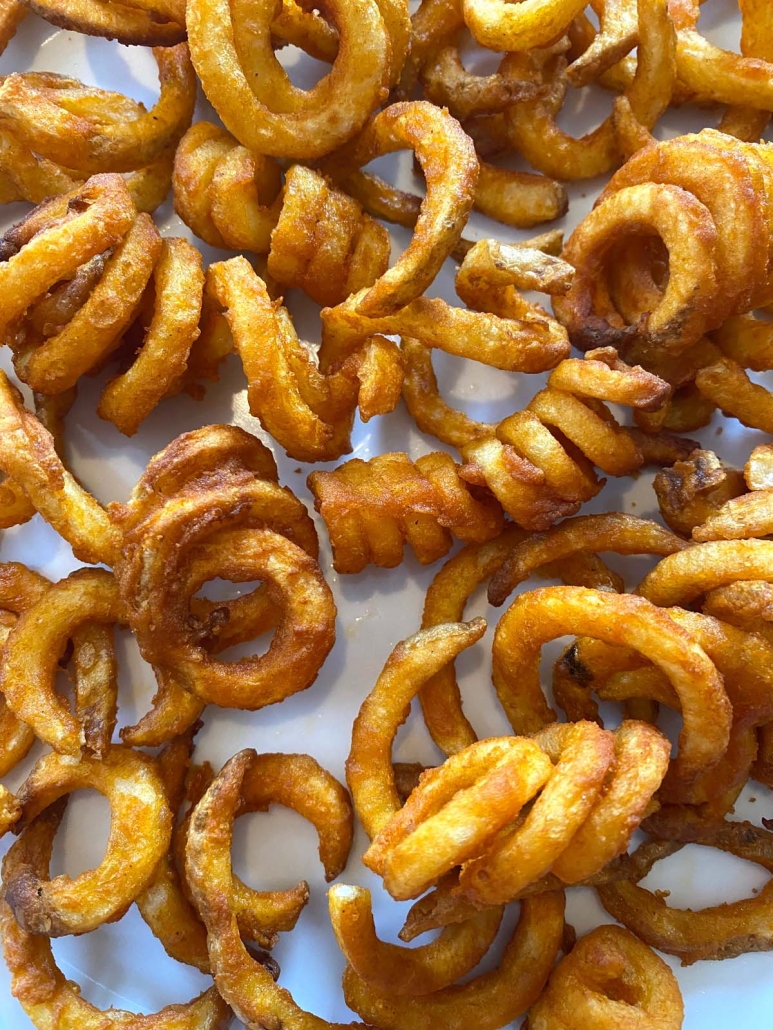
(45, 994)
(407, 971)
(131, 783)
(723, 931)
(614, 531)
(372, 508)
(609, 980)
(156, 23)
(264, 110)
(369, 770)
(550, 612)
(691, 490)
(242, 982)
(450, 165)
(91, 130)
(490, 1000)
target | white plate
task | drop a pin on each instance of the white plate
(122, 964)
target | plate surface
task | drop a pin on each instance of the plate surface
(122, 964)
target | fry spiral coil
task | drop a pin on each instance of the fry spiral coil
(316, 238)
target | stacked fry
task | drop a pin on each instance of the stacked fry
(665, 289)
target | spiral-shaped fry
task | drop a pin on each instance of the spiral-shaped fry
(209, 507)
(525, 460)
(372, 508)
(594, 785)
(708, 199)
(609, 980)
(253, 94)
(156, 23)
(92, 130)
(316, 238)
(90, 298)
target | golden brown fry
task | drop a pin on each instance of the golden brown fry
(691, 490)
(407, 971)
(50, 999)
(584, 988)
(140, 830)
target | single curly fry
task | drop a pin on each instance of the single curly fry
(242, 982)
(412, 972)
(263, 110)
(369, 770)
(131, 783)
(611, 981)
(447, 158)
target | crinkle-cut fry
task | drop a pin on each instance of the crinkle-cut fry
(64, 611)
(488, 1001)
(266, 113)
(242, 982)
(531, 341)
(549, 612)
(450, 165)
(719, 932)
(373, 508)
(690, 491)
(540, 464)
(618, 35)
(75, 227)
(407, 971)
(444, 905)
(140, 831)
(131, 24)
(682, 578)
(43, 991)
(28, 454)
(178, 285)
(309, 412)
(609, 980)
(446, 600)
(497, 25)
(481, 789)
(369, 770)
(53, 114)
(613, 531)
